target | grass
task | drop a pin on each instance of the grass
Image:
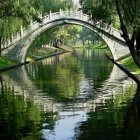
(129, 63)
(5, 62)
(42, 52)
(100, 46)
(97, 46)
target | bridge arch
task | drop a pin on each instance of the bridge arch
(115, 43)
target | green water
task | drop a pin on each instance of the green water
(73, 96)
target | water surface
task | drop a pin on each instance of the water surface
(79, 95)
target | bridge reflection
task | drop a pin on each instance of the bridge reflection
(23, 78)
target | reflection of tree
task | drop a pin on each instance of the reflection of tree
(131, 129)
(58, 80)
(112, 121)
(61, 79)
(19, 118)
(95, 65)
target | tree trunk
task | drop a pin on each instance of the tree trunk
(138, 44)
(93, 42)
(88, 41)
(83, 42)
(125, 35)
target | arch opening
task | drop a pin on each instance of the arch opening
(67, 37)
(105, 36)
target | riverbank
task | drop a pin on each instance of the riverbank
(130, 64)
(34, 55)
(4, 62)
(94, 46)
(126, 65)
(9, 65)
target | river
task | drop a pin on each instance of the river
(73, 96)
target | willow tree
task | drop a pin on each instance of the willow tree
(17, 13)
(128, 13)
(13, 15)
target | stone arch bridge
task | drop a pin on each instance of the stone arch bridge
(110, 35)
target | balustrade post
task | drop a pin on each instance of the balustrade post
(50, 15)
(40, 15)
(17, 36)
(12, 37)
(81, 13)
(21, 31)
(60, 12)
(69, 12)
(9, 42)
(31, 23)
(2, 46)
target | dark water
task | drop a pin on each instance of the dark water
(74, 96)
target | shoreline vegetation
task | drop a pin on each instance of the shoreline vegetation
(130, 64)
(96, 46)
(6, 62)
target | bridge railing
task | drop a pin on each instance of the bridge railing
(32, 27)
(61, 14)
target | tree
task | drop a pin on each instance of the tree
(18, 13)
(13, 15)
(128, 13)
(88, 35)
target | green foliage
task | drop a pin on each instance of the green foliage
(131, 13)
(39, 53)
(95, 46)
(54, 5)
(13, 15)
(99, 9)
(105, 10)
(17, 13)
(4, 62)
(67, 34)
(100, 46)
(87, 35)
